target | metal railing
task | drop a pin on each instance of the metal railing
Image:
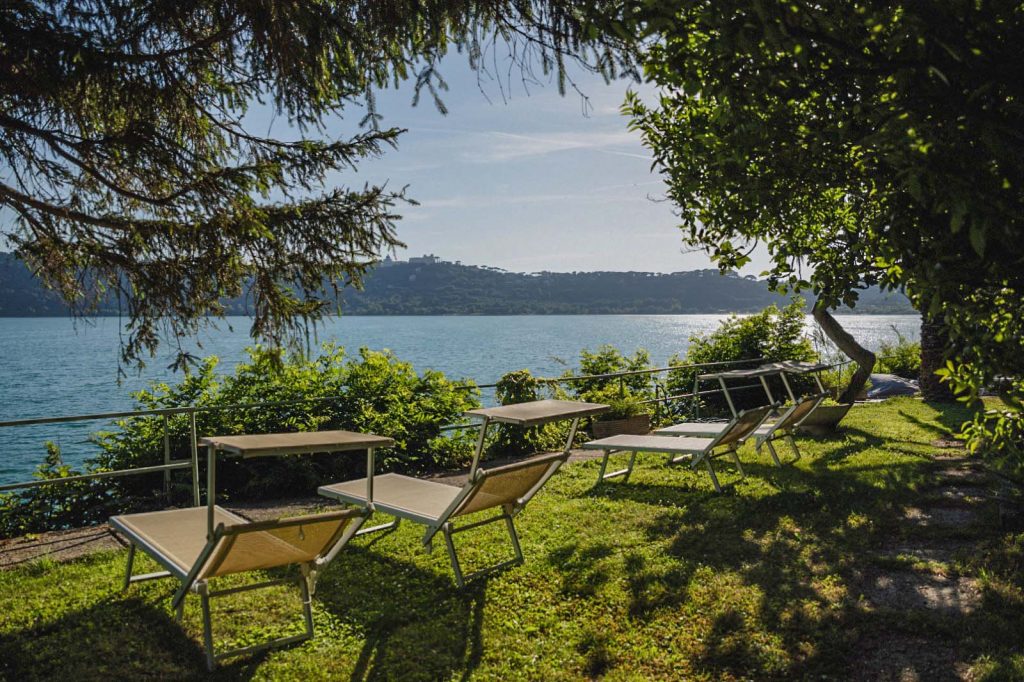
(170, 464)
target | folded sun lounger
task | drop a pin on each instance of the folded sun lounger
(765, 434)
(436, 505)
(695, 450)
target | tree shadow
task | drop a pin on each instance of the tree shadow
(128, 635)
(792, 552)
(415, 624)
(951, 418)
(576, 566)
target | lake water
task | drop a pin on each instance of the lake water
(52, 367)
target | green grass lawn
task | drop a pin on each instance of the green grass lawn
(655, 578)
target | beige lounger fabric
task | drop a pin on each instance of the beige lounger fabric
(395, 491)
(506, 485)
(631, 443)
(538, 411)
(179, 535)
(507, 488)
(682, 448)
(704, 429)
(256, 546)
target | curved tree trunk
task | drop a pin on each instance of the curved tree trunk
(864, 358)
(933, 356)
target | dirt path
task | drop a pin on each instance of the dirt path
(916, 574)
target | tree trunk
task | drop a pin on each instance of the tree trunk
(864, 358)
(933, 356)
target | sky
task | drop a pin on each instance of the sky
(526, 179)
(519, 177)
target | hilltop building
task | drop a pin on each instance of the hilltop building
(426, 259)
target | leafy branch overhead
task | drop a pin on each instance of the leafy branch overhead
(859, 142)
(133, 168)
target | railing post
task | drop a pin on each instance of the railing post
(696, 397)
(657, 403)
(194, 442)
(167, 456)
(622, 386)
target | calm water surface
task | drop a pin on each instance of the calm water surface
(52, 367)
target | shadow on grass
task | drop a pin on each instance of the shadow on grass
(413, 624)
(951, 416)
(784, 561)
(416, 625)
(113, 637)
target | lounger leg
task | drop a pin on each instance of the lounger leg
(775, 455)
(446, 530)
(306, 588)
(629, 467)
(604, 466)
(711, 472)
(792, 444)
(515, 538)
(736, 458)
(384, 526)
(128, 568)
(204, 596)
(603, 476)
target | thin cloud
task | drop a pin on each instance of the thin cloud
(512, 146)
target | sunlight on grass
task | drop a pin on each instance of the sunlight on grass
(655, 578)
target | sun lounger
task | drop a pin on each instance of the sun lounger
(782, 427)
(197, 544)
(436, 505)
(176, 539)
(694, 450)
(786, 424)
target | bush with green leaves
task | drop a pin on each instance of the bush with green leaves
(902, 357)
(608, 359)
(772, 335)
(374, 392)
(521, 386)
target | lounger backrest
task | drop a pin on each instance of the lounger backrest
(281, 542)
(511, 484)
(798, 412)
(743, 425)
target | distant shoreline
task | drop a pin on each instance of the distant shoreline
(451, 289)
(854, 311)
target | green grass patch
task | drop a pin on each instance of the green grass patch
(657, 578)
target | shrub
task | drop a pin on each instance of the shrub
(521, 386)
(622, 404)
(375, 392)
(60, 505)
(774, 335)
(608, 360)
(902, 358)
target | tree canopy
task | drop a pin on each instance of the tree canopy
(132, 167)
(860, 142)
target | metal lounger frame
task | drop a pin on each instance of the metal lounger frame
(785, 426)
(190, 581)
(443, 522)
(704, 456)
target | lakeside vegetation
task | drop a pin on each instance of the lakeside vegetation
(657, 578)
(376, 392)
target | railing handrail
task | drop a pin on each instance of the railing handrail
(187, 409)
